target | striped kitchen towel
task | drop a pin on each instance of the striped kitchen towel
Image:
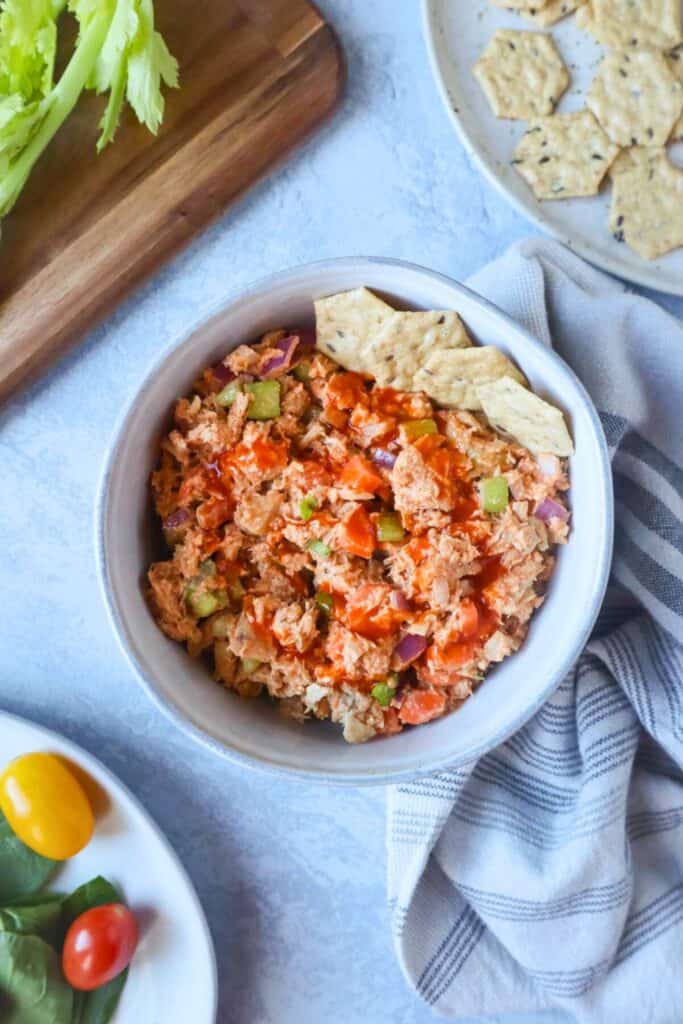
(545, 881)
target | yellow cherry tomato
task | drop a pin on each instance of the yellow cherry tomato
(46, 806)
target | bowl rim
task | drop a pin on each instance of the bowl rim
(272, 766)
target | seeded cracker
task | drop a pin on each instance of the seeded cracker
(552, 12)
(633, 23)
(453, 378)
(647, 202)
(636, 97)
(429, 351)
(676, 64)
(522, 74)
(564, 156)
(519, 5)
(345, 322)
(405, 341)
(538, 426)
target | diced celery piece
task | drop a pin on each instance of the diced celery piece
(494, 493)
(383, 693)
(302, 372)
(250, 665)
(207, 568)
(219, 627)
(413, 429)
(319, 548)
(325, 602)
(206, 603)
(389, 528)
(307, 507)
(227, 396)
(265, 404)
(235, 589)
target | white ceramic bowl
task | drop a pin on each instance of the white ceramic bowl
(253, 731)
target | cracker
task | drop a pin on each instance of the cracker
(453, 377)
(520, 5)
(522, 74)
(534, 423)
(675, 59)
(564, 156)
(406, 340)
(429, 351)
(552, 12)
(633, 23)
(345, 322)
(647, 202)
(636, 97)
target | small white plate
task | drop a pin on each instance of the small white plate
(457, 31)
(172, 979)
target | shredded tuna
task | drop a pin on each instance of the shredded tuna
(305, 567)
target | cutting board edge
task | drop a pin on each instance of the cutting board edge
(65, 339)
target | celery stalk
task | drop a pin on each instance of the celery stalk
(60, 102)
(118, 52)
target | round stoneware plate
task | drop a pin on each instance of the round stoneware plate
(173, 975)
(457, 31)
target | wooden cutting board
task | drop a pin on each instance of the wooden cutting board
(257, 76)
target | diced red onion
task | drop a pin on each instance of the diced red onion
(381, 457)
(410, 648)
(549, 509)
(307, 339)
(222, 373)
(278, 364)
(176, 519)
(398, 601)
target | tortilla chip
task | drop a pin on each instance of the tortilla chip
(405, 341)
(346, 322)
(535, 424)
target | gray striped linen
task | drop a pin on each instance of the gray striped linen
(546, 879)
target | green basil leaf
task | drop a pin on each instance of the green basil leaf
(37, 899)
(41, 919)
(32, 989)
(22, 872)
(94, 893)
(99, 1006)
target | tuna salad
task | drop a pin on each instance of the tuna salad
(355, 551)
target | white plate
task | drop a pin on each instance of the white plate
(457, 31)
(172, 979)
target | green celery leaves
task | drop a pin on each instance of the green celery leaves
(118, 51)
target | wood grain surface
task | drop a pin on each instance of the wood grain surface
(257, 76)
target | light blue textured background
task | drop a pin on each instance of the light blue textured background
(291, 876)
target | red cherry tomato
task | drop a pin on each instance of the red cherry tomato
(99, 945)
